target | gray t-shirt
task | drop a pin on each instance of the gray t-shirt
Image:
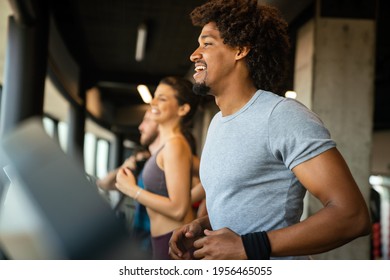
(247, 160)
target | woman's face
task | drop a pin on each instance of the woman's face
(165, 107)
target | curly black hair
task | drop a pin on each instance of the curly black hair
(260, 27)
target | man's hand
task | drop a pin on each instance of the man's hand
(130, 163)
(181, 243)
(222, 244)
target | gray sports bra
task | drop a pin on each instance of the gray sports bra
(154, 177)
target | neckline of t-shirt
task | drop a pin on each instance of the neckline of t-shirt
(243, 109)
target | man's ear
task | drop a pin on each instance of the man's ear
(184, 109)
(242, 52)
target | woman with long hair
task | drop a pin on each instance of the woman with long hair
(167, 174)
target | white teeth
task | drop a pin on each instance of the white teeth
(153, 110)
(200, 68)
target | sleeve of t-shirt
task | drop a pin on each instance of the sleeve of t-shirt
(296, 134)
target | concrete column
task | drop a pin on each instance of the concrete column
(334, 76)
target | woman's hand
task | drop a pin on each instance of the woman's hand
(125, 182)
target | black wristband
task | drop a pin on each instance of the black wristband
(257, 246)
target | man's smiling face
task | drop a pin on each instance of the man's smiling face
(213, 59)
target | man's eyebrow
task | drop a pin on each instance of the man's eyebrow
(206, 36)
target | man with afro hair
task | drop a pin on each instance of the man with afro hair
(263, 151)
